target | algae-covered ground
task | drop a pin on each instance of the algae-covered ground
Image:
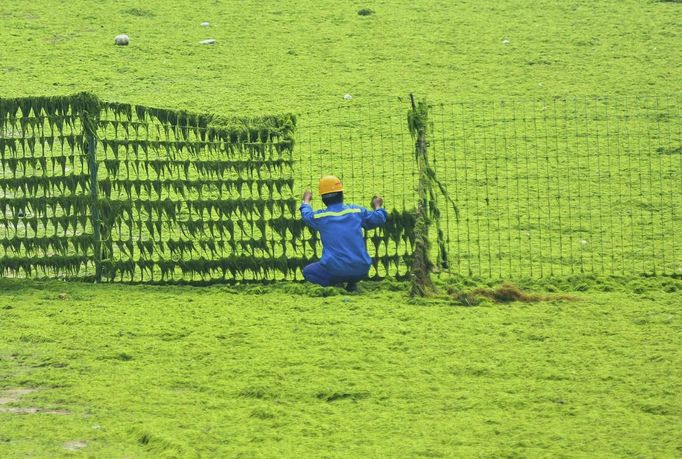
(294, 55)
(295, 371)
(288, 370)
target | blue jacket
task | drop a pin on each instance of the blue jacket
(340, 227)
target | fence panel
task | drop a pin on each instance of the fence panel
(45, 202)
(187, 197)
(562, 186)
(370, 149)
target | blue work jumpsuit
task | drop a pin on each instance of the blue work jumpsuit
(344, 255)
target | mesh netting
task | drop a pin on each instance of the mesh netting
(130, 193)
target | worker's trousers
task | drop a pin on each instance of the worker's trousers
(316, 274)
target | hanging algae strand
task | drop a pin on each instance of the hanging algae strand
(427, 211)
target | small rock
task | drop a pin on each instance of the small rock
(583, 242)
(209, 41)
(505, 41)
(122, 40)
(62, 296)
(205, 24)
(347, 97)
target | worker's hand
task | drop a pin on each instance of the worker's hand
(307, 197)
(377, 202)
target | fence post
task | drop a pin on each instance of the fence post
(420, 271)
(90, 133)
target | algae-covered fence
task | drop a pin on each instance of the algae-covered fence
(110, 191)
(538, 188)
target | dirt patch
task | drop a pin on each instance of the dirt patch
(13, 395)
(33, 410)
(75, 445)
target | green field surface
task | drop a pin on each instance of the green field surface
(555, 127)
(305, 55)
(287, 370)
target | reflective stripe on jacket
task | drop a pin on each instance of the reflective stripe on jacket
(340, 227)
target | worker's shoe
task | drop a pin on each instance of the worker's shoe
(352, 287)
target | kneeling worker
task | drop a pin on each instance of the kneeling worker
(344, 255)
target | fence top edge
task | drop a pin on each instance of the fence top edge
(88, 100)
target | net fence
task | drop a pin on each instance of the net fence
(120, 192)
(45, 204)
(539, 188)
(547, 187)
(192, 197)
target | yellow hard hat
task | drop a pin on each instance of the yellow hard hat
(330, 184)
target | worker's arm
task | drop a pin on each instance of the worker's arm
(377, 217)
(307, 213)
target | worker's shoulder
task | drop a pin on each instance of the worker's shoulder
(364, 209)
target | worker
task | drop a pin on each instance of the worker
(344, 256)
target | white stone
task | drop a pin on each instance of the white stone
(205, 24)
(506, 41)
(583, 242)
(122, 40)
(347, 97)
(209, 41)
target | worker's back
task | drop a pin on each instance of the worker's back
(340, 227)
